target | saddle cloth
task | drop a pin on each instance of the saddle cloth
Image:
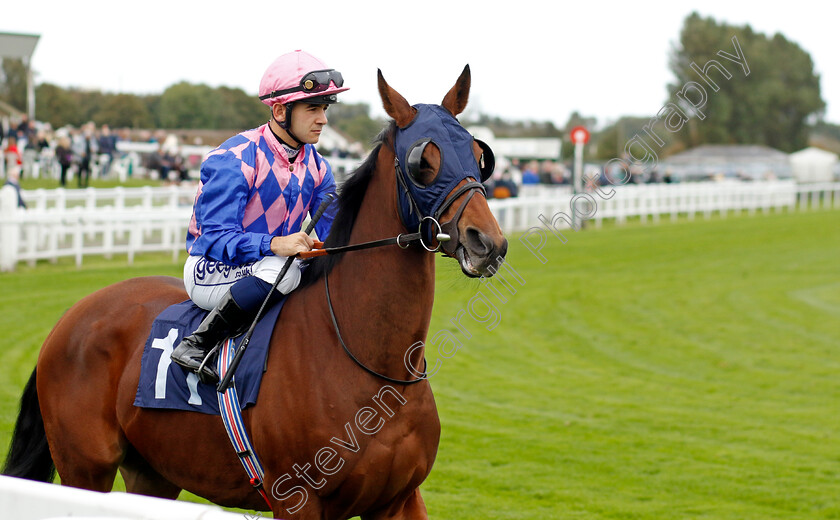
(167, 385)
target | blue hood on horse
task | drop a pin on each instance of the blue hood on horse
(434, 124)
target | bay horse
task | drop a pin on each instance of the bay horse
(335, 441)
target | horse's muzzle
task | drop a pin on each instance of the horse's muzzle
(479, 254)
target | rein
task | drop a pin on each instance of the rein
(422, 376)
(400, 240)
(444, 236)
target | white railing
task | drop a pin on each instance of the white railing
(650, 202)
(77, 223)
(27, 500)
(119, 198)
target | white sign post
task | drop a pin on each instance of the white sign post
(580, 136)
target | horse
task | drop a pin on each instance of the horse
(336, 441)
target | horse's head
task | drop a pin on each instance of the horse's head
(440, 168)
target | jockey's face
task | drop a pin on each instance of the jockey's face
(308, 121)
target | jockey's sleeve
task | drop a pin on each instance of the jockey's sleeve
(322, 228)
(220, 209)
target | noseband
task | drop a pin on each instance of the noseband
(448, 228)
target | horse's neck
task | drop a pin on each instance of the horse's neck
(385, 294)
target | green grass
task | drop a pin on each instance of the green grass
(48, 183)
(683, 370)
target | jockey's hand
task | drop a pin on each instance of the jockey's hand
(291, 245)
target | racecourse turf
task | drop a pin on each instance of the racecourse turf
(676, 371)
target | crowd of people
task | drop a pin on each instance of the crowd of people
(511, 176)
(34, 148)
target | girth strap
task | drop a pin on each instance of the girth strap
(234, 425)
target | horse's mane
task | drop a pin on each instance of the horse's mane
(350, 196)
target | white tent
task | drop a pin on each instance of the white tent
(813, 165)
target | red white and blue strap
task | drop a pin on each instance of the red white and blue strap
(232, 418)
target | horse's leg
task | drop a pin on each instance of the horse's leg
(86, 452)
(78, 405)
(79, 367)
(412, 508)
(141, 479)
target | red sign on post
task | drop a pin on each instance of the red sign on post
(580, 135)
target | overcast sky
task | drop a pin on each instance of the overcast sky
(529, 59)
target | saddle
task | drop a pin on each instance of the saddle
(166, 385)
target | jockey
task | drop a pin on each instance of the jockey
(255, 190)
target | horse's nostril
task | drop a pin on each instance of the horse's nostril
(478, 242)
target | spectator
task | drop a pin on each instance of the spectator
(64, 154)
(23, 132)
(529, 174)
(84, 148)
(167, 163)
(515, 171)
(179, 165)
(40, 143)
(107, 147)
(546, 172)
(14, 181)
(504, 187)
(13, 155)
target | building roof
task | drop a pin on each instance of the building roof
(20, 46)
(729, 160)
(8, 110)
(728, 153)
(814, 154)
(519, 147)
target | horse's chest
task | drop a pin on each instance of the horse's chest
(390, 439)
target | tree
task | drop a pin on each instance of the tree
(123, 110)
(185, 105)
(57, 106)
(767, 100)
(13, 83)
(610, 141)
(90, 102)
(239, 111)
(354, 120)
(503, 128)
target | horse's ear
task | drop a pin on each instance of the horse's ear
(395, 105)
(456, 99)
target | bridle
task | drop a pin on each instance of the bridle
(448, 228)
(445, 234)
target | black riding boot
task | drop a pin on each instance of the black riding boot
(225, 320)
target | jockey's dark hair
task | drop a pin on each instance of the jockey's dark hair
(350, 197)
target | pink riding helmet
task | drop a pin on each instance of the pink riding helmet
(288, 72)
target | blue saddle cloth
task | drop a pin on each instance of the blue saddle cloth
(164, 384)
